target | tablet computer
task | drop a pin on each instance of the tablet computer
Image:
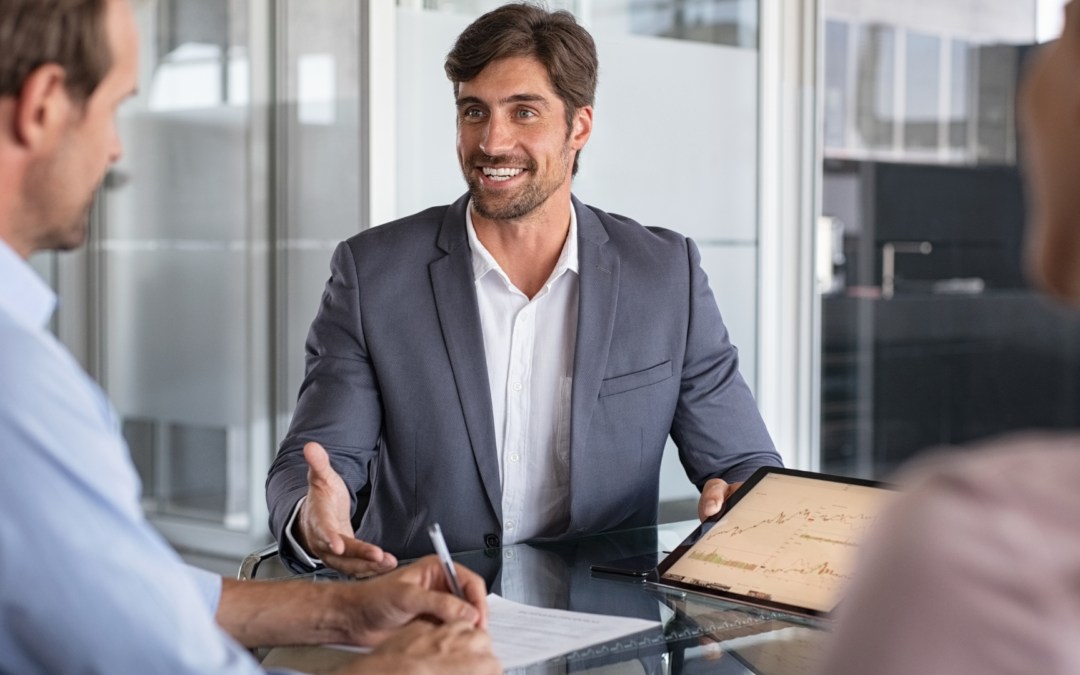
(785, 541)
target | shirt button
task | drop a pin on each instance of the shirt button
(509, 525)
(509, 555)
(517, 386)
(514, 457)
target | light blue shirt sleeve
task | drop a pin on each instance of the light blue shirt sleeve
(209, 586)
(86, 584)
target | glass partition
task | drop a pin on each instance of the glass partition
(320, 161)
(176, 256)
(210, 245)
(931, 333)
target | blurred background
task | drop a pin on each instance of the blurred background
(849, 168)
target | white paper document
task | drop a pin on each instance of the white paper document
(523, 635)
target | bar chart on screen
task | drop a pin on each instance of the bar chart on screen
(789, 540)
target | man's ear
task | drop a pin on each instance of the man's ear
(583, 121)
(43, 108)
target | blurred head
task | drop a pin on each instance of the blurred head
(1050, 117)
(554, 39)
(65, 67)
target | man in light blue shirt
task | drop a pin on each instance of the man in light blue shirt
(86, 585)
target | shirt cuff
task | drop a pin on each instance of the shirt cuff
(209, 586)
(296, 548)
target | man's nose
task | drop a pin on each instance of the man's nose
(498, 137)
(116, 148)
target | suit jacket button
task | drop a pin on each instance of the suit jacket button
(491, 540)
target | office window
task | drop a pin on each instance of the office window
(922, 89)
(319, 190)
(960, 94)
(837, 91)
(175, 259)
(931, 333)
(876, 111)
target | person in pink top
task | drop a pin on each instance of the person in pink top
(976, 568)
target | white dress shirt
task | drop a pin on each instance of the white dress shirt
(529, 348)
(86, 585)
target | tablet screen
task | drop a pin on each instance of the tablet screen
(790, 540)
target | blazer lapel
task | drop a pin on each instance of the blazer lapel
(459, 317)
(598, 292)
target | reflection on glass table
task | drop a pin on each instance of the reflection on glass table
(698, 634)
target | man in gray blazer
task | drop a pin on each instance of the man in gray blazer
(512, 364)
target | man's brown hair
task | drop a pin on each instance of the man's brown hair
(69, 33)
(553, 38)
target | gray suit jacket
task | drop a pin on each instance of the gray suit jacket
(397, 389)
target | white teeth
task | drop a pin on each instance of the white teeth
(500, 174)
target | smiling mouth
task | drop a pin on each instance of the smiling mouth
(500, 174)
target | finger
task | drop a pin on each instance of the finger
(335, 543)
(355, 567)
(712, 498)
(443, 606)
(480, 642)
(409, 634)
(474, 640)
(463, 636)
(475, 591)
(487, 664)
(731, 489)
(428, 572)
(362, 550)
(318, 463)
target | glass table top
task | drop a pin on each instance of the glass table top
(698, 634)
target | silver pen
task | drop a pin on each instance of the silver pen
(435, 532)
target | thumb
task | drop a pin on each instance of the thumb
(318, 462)
(446, 607)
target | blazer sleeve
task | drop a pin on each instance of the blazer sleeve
(339, 405)
(717, 426)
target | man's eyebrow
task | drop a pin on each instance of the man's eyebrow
(516, 98)
(525, 98)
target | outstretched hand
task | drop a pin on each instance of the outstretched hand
(324, 528)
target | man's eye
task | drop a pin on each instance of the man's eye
(526, 113)
(473, 113)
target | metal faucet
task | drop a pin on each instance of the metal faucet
(888, 262)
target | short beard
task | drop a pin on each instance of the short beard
(69, 237)
(56, 223)
(531, 196)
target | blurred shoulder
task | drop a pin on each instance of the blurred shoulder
(1015, 467)
(39, 377)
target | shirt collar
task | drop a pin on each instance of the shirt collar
(23, 295)
(483, 262)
